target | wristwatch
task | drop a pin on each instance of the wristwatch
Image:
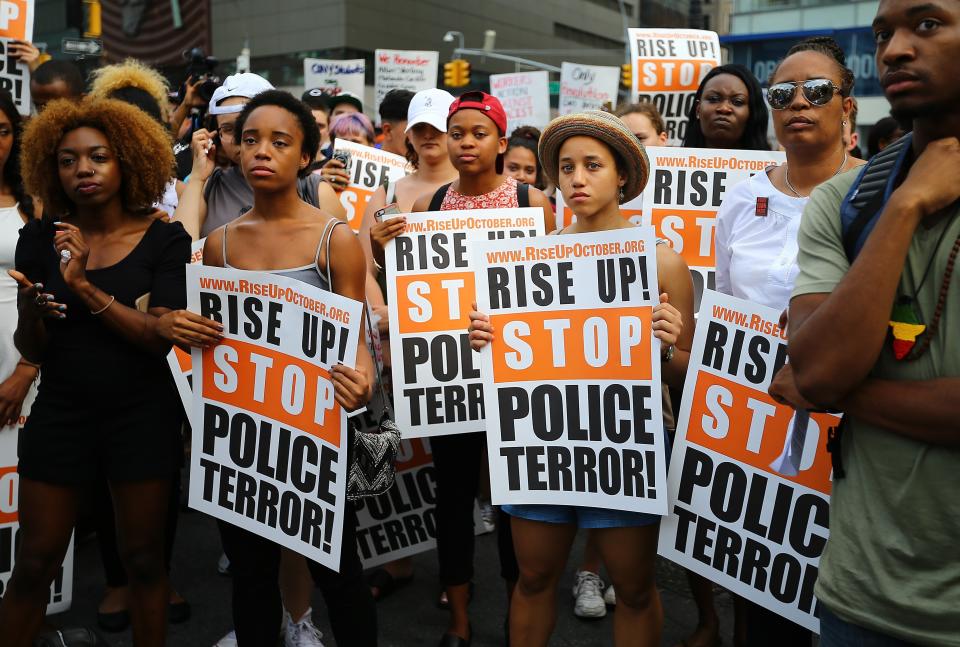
(667, 355)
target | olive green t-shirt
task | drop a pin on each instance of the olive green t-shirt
(892, 563)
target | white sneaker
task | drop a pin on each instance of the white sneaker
(230, 640)
(302, 633)
(610, 597)
(588, 592)
(489, 516)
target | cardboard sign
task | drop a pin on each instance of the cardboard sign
(269, 439)
(180, 362)
(334, 77)
(571, 382)
(436, 377)
(403, 70)
(632, 211)
(750, 479)
(668, 66)
(16, 23)
(525, 97)
(684, 193)
(61, 590)
(370, 168)
(587, 87)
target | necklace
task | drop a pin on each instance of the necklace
(835, 174)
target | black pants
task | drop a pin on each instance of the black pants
(457, 462)
(257, 608)
(113, 569)
(509, 569)
(764, 625)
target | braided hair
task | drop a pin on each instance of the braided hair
(830, 48)
(11, 169)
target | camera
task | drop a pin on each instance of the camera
(202, 68)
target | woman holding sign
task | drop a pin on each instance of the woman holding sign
(94, 286)
(278, 139)
(598, 164)
(759, 219)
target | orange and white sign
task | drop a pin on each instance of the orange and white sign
(571, 381)
(269, 440)
(430, 285)
(750, 479)
(16, 23)
(180, 362)
(370, 168)
(683, 196)
(668, 66)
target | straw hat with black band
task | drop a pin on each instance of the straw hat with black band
(606, 128)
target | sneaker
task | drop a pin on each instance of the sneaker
(230, 640)
(489, 516)
(610, 597)
(302, 633)
(223, 564)
(588, 592)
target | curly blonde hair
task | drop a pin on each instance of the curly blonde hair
(143, 148)
(131, 74)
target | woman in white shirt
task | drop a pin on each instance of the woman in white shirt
(756, 235)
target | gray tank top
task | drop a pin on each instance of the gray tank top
(309, 274)
(228, 196)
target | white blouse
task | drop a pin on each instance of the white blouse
(757, 254)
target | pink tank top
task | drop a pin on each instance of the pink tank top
(503, 197)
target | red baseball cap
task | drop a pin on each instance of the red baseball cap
(485, 103)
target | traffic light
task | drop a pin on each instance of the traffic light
(626, 75)
(456, 73)
(91, 23)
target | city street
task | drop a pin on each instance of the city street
(409, 618)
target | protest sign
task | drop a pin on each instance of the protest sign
(436, 377)
(587, 87)
(269, 440)
(369, 169)
(61, 590)
(750, 479)
(16, 23)
(668, 65)
(403, 522)
(525, 97)
(180, 362)
(334, 77)
(403, 70)
(684, 193)
(632, 211)
(571, 382)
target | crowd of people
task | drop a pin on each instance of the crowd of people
(97, 220)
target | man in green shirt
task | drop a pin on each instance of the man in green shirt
(890, 573)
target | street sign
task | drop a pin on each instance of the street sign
(81, 46)
(554, 87)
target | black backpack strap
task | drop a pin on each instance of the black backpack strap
(523, 194)
(437, 200)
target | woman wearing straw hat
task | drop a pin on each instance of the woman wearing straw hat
(598, 164)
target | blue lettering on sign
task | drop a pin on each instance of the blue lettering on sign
(326, 68)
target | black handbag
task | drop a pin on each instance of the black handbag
(372, 455)
(72, 637)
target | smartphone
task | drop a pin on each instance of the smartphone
(344, 158)
(388, 210)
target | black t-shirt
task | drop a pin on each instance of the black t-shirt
(85, 360)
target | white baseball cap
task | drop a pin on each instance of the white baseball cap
(247, 85)
(429, 107)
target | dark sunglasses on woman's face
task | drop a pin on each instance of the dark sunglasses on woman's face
(817, 91)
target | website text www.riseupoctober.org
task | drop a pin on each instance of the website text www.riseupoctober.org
(272, 291)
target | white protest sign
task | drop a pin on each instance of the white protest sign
(369, 169)
(683, 196)
(525, 97)
(334, 77)
(269, 440)
(398, 69)
(668, 65)
(180, 362)
(436, 377)
(16, 23)
(587, 87)
(749, 491)
(571, 381)
(61, 590)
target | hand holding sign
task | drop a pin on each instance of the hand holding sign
(382, 232)
(187, 329)
(352, 388)
(480, 329)
(667, 322)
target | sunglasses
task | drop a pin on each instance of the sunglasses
(817, 91)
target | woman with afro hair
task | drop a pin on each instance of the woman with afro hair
(96, 277)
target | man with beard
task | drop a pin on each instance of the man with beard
(870, 335)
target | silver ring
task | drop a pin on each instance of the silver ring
(40, 300)
(65, 255)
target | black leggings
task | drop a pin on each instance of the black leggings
(257, 608)
(116, 574)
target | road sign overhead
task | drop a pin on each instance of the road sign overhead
(80, 46)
